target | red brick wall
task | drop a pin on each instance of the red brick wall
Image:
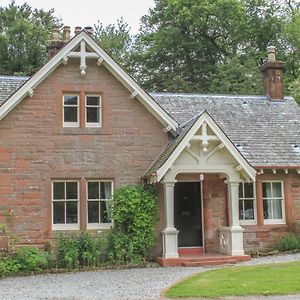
(215, 210)
(263, 237)
(34, 148)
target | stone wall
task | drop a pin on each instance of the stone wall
(35, 149)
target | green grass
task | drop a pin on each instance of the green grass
(273, 279)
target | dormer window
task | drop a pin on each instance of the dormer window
(93, 111)
(71, 111)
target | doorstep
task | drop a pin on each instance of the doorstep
(203, 260)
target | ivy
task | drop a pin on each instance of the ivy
(134, 213)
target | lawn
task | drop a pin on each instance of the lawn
(273, 279)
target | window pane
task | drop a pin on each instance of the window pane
(71, 189)
(71, 212)
(248, 188)
(105, 190)
(267, 209)
(241, 190)
(241, 210)
(92, 115)
(70, 114)
(93, 212)
(277, 209)
(93, 190)
(93, 100)
(58, 190)
(266, 189)
(59, 212)
(70, 100)
(277, 192)
(105, 212)
(249, 210)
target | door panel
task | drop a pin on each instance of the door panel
(187, 213)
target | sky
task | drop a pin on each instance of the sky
(88, 12)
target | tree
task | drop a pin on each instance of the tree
(116, 40)
(239, 75)
(24, 35)
(187, 45)
(182, 42)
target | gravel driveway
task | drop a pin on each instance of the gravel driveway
(109, 284)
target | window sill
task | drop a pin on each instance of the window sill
(99, 226)
(86, 131)
(56, 227)
(274, 222)
(246, 223)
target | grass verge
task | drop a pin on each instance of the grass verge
(273, 279)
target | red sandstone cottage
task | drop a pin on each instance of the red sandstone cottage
(227, 168)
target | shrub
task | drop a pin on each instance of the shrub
(288, 242)
(8, 266)
(31, 259)
(134, 213)
(80, 250)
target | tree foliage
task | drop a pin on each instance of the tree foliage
(24, 35)
(207, 45)
(115, 39)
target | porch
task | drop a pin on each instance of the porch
(201, 150)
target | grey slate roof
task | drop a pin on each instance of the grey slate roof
(8, 85)
(264, 132)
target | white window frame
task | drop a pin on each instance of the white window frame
(275, 221)
(73, 226)
(71, 124)
(97, 225)
(254, 221)
(99, 107)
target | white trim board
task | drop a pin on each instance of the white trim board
(205, 117)
(151, 105)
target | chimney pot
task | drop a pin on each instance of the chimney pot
(55, 33)
(66, 33)
(271, 54)
(89, 30)
(77, 29)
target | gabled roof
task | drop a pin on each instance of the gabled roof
(174, 148)
(9, 84)
(108, 62)
(265, 132)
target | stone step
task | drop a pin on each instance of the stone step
(209, 263)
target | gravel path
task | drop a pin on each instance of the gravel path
(110, 284)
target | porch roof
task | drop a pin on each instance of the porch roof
(265, 132)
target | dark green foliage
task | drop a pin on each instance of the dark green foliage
(134, 213)
(288, 242)
(24, 35)
(31, 259)
(83, 250)
(214, 45)
(9, 266)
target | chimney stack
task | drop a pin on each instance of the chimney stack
(56, 43)
(272, 71)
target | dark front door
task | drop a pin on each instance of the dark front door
(187, 213)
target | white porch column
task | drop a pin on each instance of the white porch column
(231, 238)
(169, 233)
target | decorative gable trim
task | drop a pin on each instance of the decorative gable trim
(103, 59)
(205, 118)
